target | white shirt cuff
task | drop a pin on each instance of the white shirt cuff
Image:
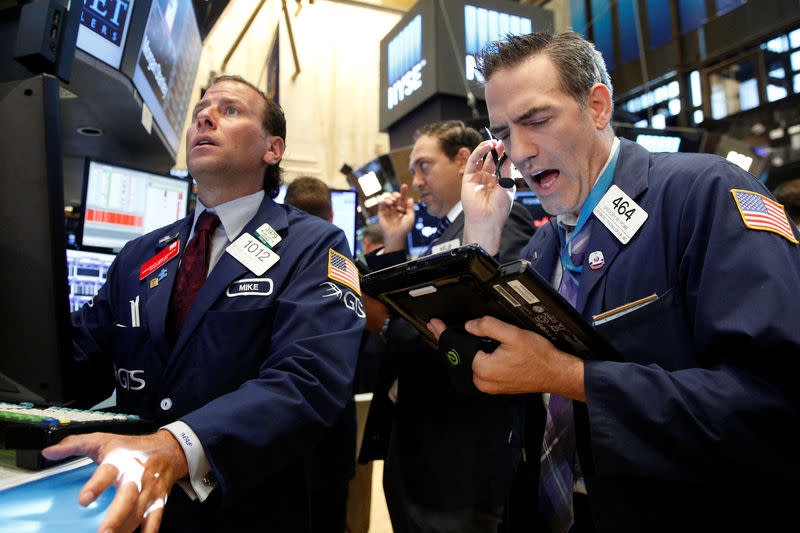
(202, 479)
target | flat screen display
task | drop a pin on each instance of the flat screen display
(122, 203)
(344, 214)
(86, 273)
(343, 204)
(530, 202)
(659, 143)
(166, 67)
(482, 26)
(104, 29)
(421, 234)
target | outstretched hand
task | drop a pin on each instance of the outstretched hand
(142, 468)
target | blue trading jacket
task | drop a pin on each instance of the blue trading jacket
(679, 435)
(263, 366)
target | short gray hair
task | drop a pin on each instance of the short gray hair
(579, 64)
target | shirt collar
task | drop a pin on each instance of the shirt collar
(233, 215)
(571, 219)
(455, 211)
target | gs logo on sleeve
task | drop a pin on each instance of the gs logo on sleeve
(348, 298)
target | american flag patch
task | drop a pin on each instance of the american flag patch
(343, 270)
(759, 212)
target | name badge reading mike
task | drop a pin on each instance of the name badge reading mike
(250, 252)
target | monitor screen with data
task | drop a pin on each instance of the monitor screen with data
(121, 203)
(86, 273)
(344, 205)
(166, 67)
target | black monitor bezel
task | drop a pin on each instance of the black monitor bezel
(37, 332)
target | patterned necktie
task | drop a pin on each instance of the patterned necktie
(193, 269)
(558, 444)
(438, 233)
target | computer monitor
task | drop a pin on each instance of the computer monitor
(166, 66)
(659, 143)
(86, 273)
(529, 201)
(344, 204)
(103, 30)
(375, 180)
(35, 326)
(425, 224)
(663, 140)
(121, 203)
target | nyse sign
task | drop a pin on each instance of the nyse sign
(405, 63)
(106, 18)
(406, 85)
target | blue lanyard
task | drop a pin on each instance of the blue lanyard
(600, 188)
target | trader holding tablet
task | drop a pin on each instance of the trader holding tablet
(448, 467)
(696, 271)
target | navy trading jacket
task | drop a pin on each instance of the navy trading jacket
(693, 429)
(447, 448)
(263, 366)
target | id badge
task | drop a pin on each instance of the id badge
(620, 214)
(252, 253)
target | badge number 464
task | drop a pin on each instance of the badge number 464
(620, 214)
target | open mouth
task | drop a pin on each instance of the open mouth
(545, 178)
(204, 142)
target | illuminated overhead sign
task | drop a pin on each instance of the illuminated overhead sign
(659, 143)
(482, 26)
(425, 54)
(405, 63)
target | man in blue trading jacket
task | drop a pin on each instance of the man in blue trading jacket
(333, 464)
(689, 430)
(263, 362)
(448, 466)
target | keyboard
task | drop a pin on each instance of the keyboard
(27, 428)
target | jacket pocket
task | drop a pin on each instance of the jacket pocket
(657, 332)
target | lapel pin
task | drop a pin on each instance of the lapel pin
(167, 238)
(596, 260)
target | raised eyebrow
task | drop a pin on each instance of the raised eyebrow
(222, 102)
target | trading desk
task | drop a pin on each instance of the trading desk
(48, 503)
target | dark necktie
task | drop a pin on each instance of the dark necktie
(193, 269)
(437, 234)
(558, 444)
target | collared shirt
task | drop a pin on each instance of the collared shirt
(454, 212)
(571, 219)
(233, 216)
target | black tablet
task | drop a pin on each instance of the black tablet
(466, 283)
